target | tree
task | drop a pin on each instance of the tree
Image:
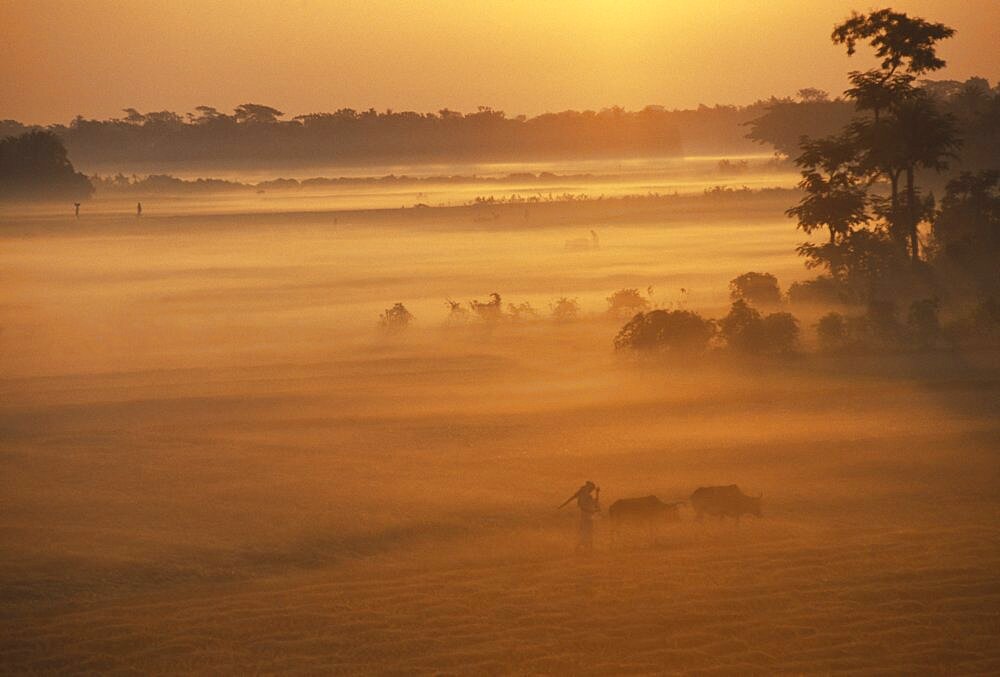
(35, 165)
(256, 113)
(966, 230)
(832, 331)
(745, 330)
(813, 95)
(927, 138)
(759, 288)
(906, 131)
(626, 303)
(899, 40)
(835, 198)
(565, 309)
(674, 331)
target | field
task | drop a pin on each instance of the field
(213, 462)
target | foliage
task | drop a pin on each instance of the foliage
(457, 313)
(674, 331)
(821, 290)
(565, 309)
(745, 330)
(780, 332)
(760, 288)
(626, 303)
(35, 165)
(835, 198)
(832, 332)
(521, 312)
(786, 122)
(395, 319)
(899, 40)
(491, 311)
(966, 232)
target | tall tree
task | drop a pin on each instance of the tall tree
(905, 131)
(834, 196)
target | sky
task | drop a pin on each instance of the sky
(60, 58)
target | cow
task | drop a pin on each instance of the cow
(648, 511)
(726, 501)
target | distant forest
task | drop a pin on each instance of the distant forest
(255, 133)
(259, 134)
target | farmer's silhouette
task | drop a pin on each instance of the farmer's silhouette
(587, 500)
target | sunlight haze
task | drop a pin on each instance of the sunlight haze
(94, 58)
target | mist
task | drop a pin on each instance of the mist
(444, 388)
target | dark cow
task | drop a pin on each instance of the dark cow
(648, 510)
(724, 502)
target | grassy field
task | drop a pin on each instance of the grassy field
(212, 462)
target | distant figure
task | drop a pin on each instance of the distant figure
(587, 500)
(76, 209)
(583, 244)
(138, 209)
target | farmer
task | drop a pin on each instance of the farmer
(587, 500)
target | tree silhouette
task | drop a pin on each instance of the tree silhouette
(966, 231)
(759, 288)
(35, 166)
(906, 131)
(835, 197)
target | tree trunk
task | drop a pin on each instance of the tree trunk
(911, 214)
(896, 228)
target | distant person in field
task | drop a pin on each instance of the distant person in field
(587, 500)
(76, 209)
(138, 209)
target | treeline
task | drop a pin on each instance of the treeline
(973, 106)
(259, 133)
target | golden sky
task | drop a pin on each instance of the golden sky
(95, 57)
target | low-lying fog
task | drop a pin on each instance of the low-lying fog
(213, 461)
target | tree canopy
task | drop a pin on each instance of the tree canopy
(35, 165)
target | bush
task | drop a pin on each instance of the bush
(457, 314)
(626, 303)
(760, 288)
(491, 311)
(395, 319)
(780, 333)
(565, 309)
(522, 312)
(823, 290)
(832, 331)
(741, 327)
(745, 330)
(666, 331)
(881, 322)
